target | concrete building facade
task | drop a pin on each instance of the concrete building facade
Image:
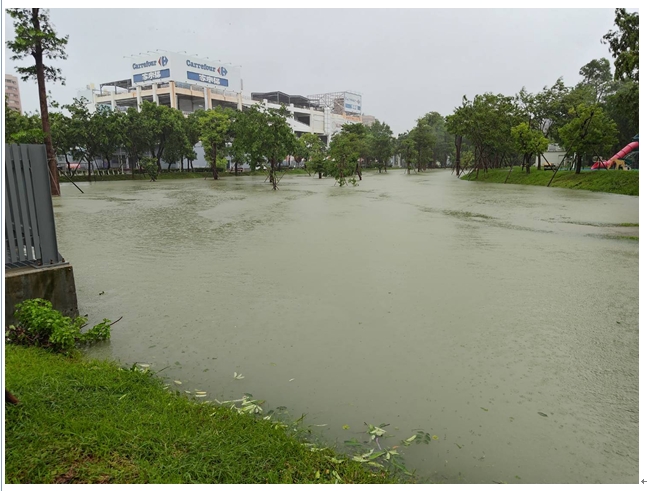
(12, 91)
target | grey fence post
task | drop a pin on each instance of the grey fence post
(30, 231)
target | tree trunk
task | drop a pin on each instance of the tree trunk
(358, 170)
(319, 174)
(273, 175)
(132, 163)
(578, 167)
(44, 113)
(458, 142)
(215, 162)
(182, 164)
(236, 169)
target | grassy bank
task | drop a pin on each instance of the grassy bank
(85, 421)
(618, 182)
(170, 175)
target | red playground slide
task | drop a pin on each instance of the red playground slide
(621, 154)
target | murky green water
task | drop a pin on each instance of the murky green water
(462, 309)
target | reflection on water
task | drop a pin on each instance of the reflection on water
(487, 315)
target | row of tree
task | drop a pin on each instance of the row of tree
(589, 121)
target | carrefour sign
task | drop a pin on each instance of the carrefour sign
(181, 68)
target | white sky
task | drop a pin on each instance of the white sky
(404, 62)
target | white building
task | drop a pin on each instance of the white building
(554, 155)
(189, 84)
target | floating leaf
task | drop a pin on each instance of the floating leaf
(484, 409)
(325, 424)
(290, 380)
(435, 437)
(542, 414)
(201, 395)
(144, 365)
(459, 446)
(345, 427)
(335, 461)
(238, 376)
(199, 392)
(352, 443)
(177, 382)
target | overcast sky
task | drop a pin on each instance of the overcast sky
(404, 62)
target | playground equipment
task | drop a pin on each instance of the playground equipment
(617, 161)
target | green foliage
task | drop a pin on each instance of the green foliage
(590, 132)
(623, 44)
(264, 136)
(216, 133)
(149, 164)
(35, 36)
(22, 128)
(164, 127)
(345, 151)
(527, 140)
(381, 143)
(312, 149)
(38, 324)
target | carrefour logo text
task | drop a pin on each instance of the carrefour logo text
(201, 66)
(146, 64)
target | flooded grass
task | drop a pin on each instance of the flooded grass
(81, 421)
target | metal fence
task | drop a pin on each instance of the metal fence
(30, 232)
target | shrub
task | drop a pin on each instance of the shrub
(149, 164)
(39, 324)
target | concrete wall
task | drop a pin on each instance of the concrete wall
(55, 284)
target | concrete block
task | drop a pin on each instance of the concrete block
(55, 284)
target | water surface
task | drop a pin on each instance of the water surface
(461, 309)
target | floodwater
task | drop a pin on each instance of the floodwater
(501, 319)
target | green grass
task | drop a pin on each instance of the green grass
(618, 182)
(87, 421)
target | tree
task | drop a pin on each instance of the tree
(313, 150)
(22, 128)
(597, 76)
(266, 137)
(344, 153)
(405, 148)
(623, 44)
(361, 143)
(381, 143)
(192, 132)
(590, 133)
(84, 133)
(163, 123)
(528, 142)
(136, 137)
(108, 127)
(36, 37)
(423, 142)
(215, 133)
(62, 140)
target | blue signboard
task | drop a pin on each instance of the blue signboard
(352, 107)
(154, 75)
(200, 77)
